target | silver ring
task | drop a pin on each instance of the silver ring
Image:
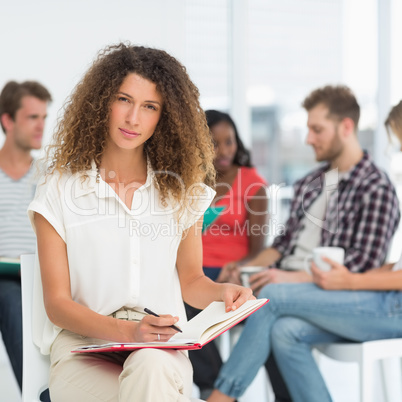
(159, 337)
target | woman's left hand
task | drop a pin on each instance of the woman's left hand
(234, 296)
(338, 278)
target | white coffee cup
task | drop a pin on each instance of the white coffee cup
(246, 272)
(336, 254)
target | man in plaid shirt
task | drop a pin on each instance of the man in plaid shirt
(361, 216)
(347, 202)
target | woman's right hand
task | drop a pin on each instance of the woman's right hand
(148, 329)
(230, 273)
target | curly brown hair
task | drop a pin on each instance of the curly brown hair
(181, 143)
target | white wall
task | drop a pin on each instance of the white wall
(54, 42)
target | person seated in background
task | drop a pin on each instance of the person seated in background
(340, 305)
(23, 111)
(347, 202)
(237, 235)
(393, 123)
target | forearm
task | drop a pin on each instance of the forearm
(265, 258)
(61, 309)
(380, 279)
(200, 292)
(248, 258)
(298, 277)
(256, 246)
(257, 217)
(384, 268)
(67, 314)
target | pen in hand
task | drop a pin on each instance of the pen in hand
(147, 310)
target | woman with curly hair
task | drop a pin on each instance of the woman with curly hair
(117, 219)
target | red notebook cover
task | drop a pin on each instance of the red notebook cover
(221, 326)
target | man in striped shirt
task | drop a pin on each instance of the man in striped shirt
(23, 110)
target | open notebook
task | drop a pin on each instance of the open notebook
(203, 328)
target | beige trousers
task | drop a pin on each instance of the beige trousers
(145, 375)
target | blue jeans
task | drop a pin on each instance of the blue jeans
(11, 322)
(298, 316)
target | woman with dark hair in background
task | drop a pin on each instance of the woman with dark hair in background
(237, 234)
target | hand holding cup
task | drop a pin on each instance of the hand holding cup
(336, 254)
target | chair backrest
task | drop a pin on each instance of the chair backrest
(389, 351)
(35, 365)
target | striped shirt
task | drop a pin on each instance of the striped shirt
(16, 234)
(361, 217)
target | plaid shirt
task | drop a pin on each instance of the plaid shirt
(362, 214)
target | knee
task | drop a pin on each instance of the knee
(286, 330)
(271, 291)
(150, 363)
(144, 368)
(146, 361)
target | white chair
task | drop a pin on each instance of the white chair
(366, 354)
(35, 365)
